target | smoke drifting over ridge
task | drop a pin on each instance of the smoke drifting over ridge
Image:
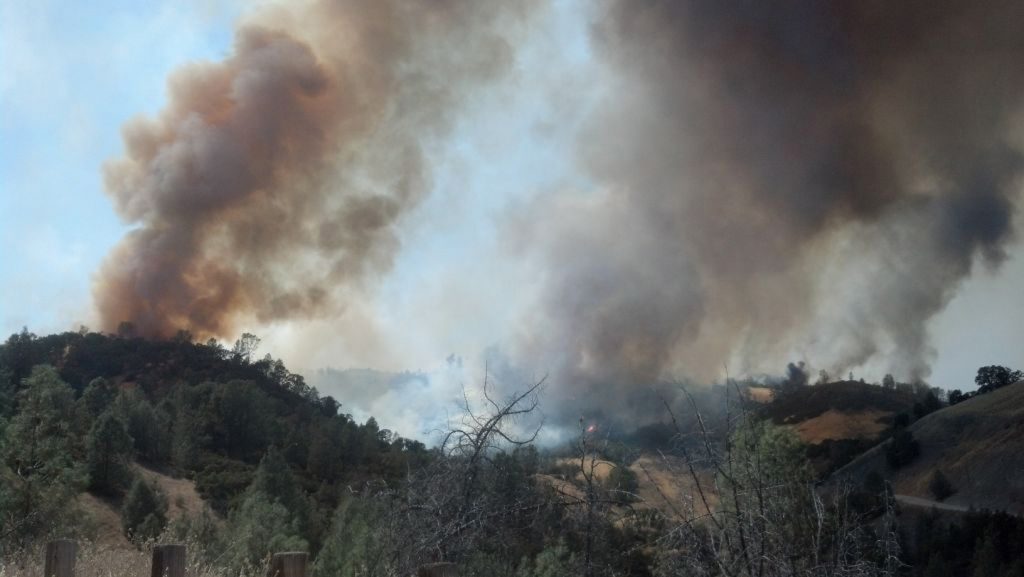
(769, 183)
(807, 179)
(272, 185)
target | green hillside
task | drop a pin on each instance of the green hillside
(198, 411)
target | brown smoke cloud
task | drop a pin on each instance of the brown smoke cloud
(272, 185)
(777, 181)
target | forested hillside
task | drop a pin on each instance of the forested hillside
(79, 408)
(114, 425)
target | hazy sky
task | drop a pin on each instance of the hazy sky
(72, 73)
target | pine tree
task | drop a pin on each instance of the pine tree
(144, 514)
(185, 429)
(7, 395)
(986, 558)
(937, 567)
(109, 455)
(144, 426)
(274, 515)
(352, 546)
(185, 443)
(98, 396)
(275, 480)
(41, 475)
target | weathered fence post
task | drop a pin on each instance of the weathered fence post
(439, 570)
(60, 558)
(291, 564)
(168, 561)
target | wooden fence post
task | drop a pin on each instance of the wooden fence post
(439, 570)
(168, 561)
(291, 564)
(60, 558)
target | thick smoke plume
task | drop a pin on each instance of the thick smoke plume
(272, 185)
(804, 180)
(758, 182)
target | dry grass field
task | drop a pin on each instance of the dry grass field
(836, 425)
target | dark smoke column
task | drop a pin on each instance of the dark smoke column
(783, 180)
(272, 185)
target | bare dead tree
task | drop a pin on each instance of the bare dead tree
(447, 509)
(592, 499)
(590, 502)
(758, 511)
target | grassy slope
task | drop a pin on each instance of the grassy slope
(850, 397)
(978, 444)
(840, 418)
(105, 515)
(837, 424)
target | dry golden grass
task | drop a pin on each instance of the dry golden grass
(665, 484)
(103, 518)
(561, 486)
(93, 560)
(977, 444)
(182, 497)
(600, 467)
(103, 522)
(97, 560)
(833, 424)
(762, 395)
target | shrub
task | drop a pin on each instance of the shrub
(144, 514)
(939, 486)
(902, 450)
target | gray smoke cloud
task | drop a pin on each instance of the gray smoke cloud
(273, 184)
(765, 183)
(811, 179)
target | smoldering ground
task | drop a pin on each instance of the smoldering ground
(755, 183)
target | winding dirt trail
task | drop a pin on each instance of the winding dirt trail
(928, 503)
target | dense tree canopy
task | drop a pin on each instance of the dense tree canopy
(110, 452)
(41, 469)
(191, 409)
(994, 377)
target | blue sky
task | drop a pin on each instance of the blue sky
(71, 73)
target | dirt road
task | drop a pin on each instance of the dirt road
(928, 503)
